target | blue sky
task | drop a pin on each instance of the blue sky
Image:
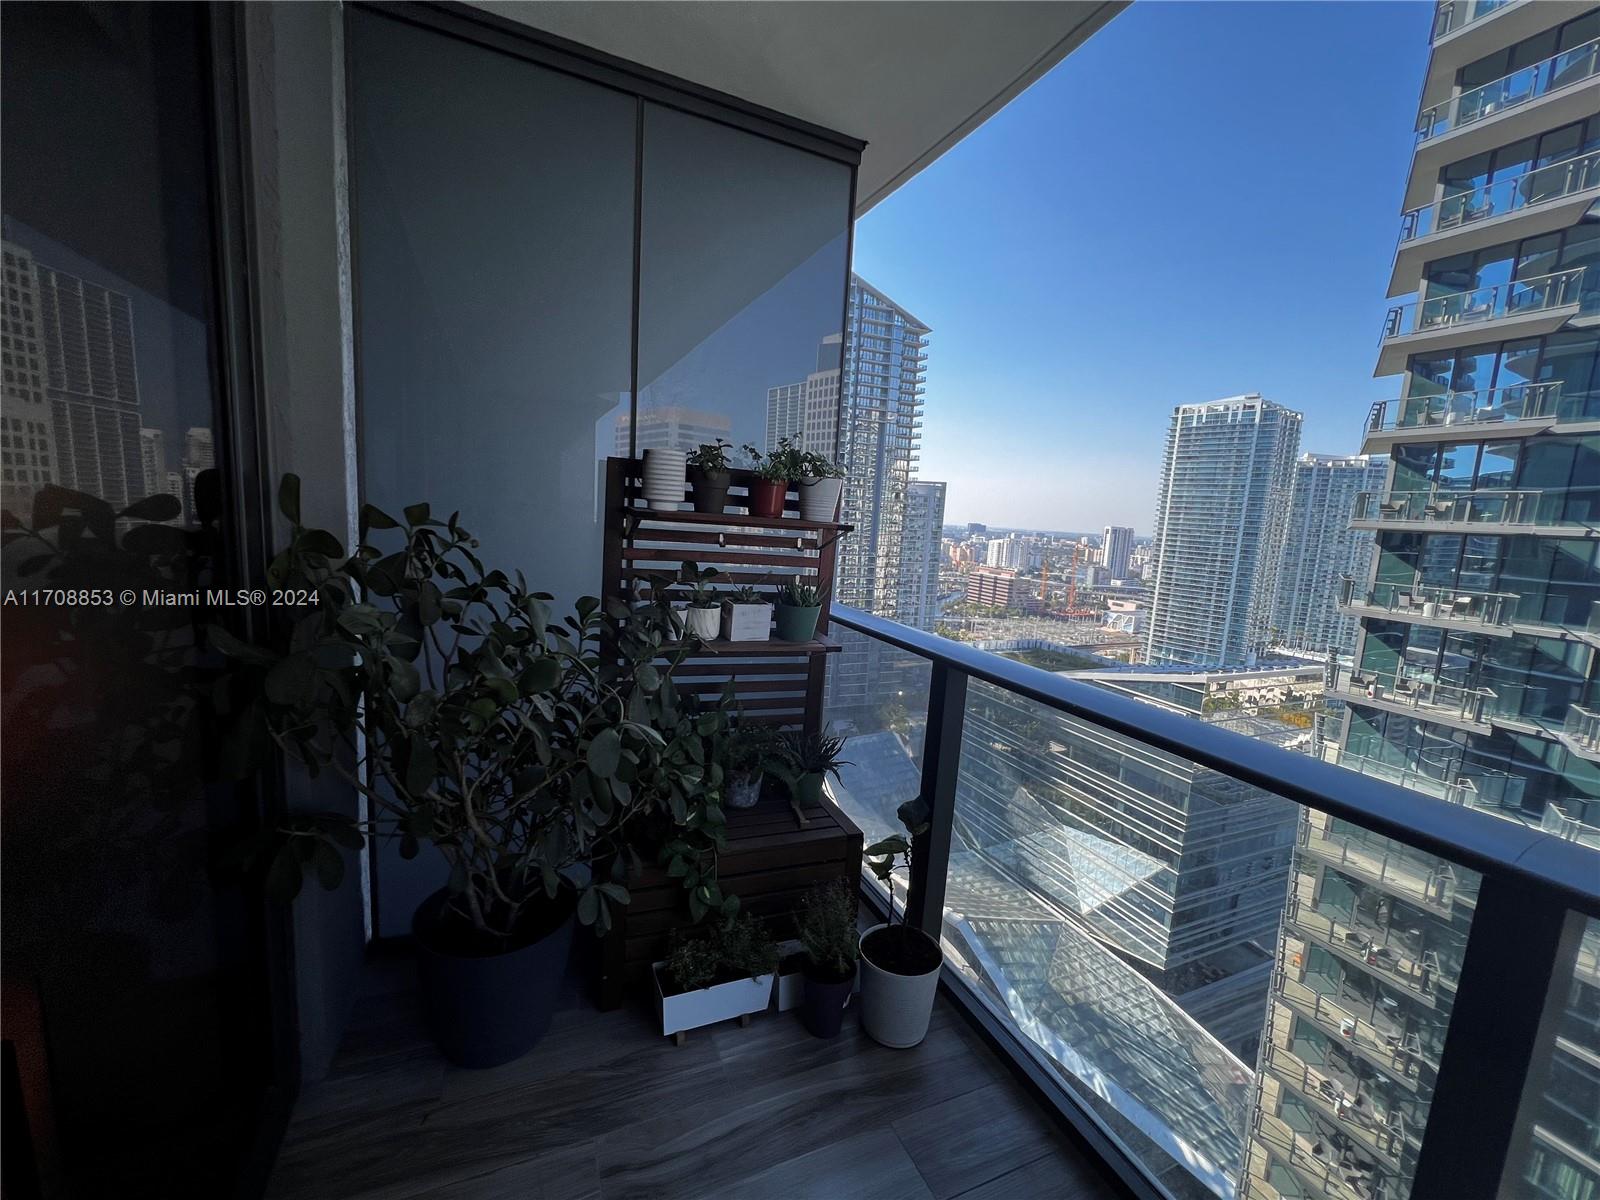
(1202, 200)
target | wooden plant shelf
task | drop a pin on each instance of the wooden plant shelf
(737, 520)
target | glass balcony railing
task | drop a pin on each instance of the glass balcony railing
(1581, 730)
(1519, 298)
(1444, 411)
(1559, 71)
(1440, 699)
(1533, 508)
(1503, 196)
(1457, 606)
(1066, 822)
(1458, 14)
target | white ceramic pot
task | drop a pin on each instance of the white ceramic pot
(746, 622)
(703, 623)
(819, 498)
(707, 1006)
(895, 1009)
(665, 478)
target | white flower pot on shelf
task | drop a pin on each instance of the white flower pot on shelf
(708, 1005)
(665, 478)
(819, 498)
(703, 623)
(746, 622)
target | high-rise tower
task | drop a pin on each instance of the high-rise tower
(1220, 521)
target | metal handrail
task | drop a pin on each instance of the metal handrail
(1471, 839)
(1493, 506)
(1520, 86)
(1457, 604)
(1502, 196)
(1474, 406)
(1484, 304)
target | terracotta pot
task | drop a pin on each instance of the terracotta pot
(768, 496)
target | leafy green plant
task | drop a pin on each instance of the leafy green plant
(828, 930)
(781, 465)
(750, 748)
(726, 950)
(819, 466)
(885, 855)
(744, 594)
(800, 595)
(817, 753)
(697, 584)
(447, 695)
(710, 456)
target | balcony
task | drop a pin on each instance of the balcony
(1563, 512)
(1539, 201)
(1541, 96)
(1482, 612)
(1455, 15)
(1580, 732)
(1521, 308)
(1518, 410)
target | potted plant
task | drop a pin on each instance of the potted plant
(715, 974)
(819, 485)
(769, 491)
(748, 750)
(709, 476)
(663, 476)
(444, 693)
(746, 617)
(828, 933)
(807, 759)
(702, 616)
(899, 965)
(799, 607)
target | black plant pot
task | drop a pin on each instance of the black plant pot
(822, 1010)
(710, 489)
(485, 1010)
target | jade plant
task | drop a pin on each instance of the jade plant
(522, 748)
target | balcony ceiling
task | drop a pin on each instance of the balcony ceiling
(911, 79)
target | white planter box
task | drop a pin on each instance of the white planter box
(703, 623)
(791, 987)
(746, 622)
(707, 1006)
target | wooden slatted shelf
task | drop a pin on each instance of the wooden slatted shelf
(737, 520)
(819, 645)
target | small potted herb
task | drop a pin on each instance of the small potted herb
(819, 484)
(709, 476)
(714, 975)
(769, 491)
(899, 965)
(746, 615)
(828, 933)
(808, 758)
(749, 751)
(799, 606)
(702, 618)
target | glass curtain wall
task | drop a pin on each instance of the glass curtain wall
(498, 207)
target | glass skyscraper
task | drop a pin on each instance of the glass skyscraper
(1219, 529)
(1473, 680)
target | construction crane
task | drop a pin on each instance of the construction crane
(1072, 611)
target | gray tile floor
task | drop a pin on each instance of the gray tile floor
(607, 1108)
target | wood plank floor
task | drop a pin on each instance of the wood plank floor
(607, 1109)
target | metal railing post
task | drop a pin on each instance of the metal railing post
(941, 761)
(1498, 1037)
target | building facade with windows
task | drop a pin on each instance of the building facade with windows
(919, 553)
(1474, 676)
(1116, 550)
(1321, 550)
(1221, 514)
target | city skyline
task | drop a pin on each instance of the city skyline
(1007, 274)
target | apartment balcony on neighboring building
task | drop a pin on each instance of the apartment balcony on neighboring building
(1537, 201)
(1540, 96)
(1460, 706)
(1446, 608)
(1517, 410)
(1520, 308)
(1557, 512)
(1580, 732)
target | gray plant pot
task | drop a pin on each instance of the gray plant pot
(895, 1008)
